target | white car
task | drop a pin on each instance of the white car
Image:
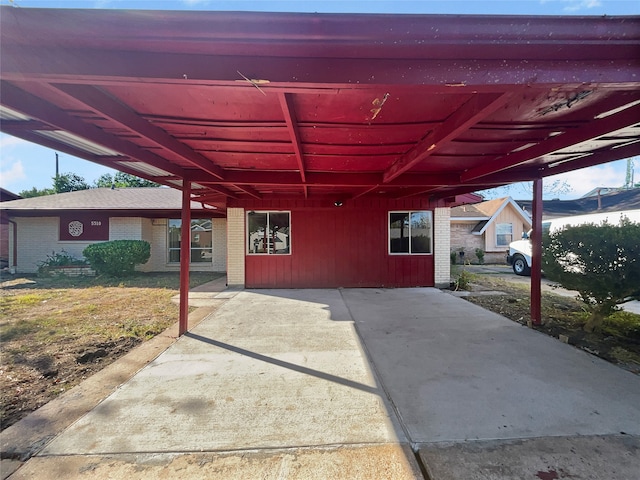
(519, 254)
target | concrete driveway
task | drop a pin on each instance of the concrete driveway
(358, 383)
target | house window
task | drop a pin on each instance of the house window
(201, 240)
(269, 233)
(504, 234)
(410, 232)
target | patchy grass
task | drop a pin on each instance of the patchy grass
(54, 332)
(618, 341)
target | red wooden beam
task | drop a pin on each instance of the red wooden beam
(474, 110)
(364, 192)
(536, 254)
(10, 126)
(248, 190)
(104, 161)
(326, 179)
(286, 103)
(355, 36)
(93, 67)
(185, 257)
(594, 129)
(37, 108)
(596, 158)
(105, 105)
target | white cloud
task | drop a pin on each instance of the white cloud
(12, 174)
(9, 141)
(585, 180)
(575, 5)
(193, 3)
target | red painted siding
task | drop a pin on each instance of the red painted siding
(338, 247)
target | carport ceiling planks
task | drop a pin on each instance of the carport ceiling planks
(308, 106)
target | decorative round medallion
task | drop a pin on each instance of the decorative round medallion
(75, 228)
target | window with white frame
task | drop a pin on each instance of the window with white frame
(268, 233)
(201, 240)
(410, 232)
(504, 234)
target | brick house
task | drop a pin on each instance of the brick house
(339, 142)
(490, 226)
(5, 196)
(71, 221)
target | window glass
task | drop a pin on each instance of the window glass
(504, 234)
(420, 232)
(410, 232)
(269, 233)
(399, 232)
(201, 240)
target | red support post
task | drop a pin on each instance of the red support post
(185, 256)
(536, 254)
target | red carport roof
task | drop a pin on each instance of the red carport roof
(261, 105)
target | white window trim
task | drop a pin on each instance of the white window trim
(496, 235)
(247, 234)
(389, 252)
(169, 249)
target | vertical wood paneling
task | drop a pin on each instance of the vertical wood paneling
(338, 247)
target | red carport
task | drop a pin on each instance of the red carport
(335, 143)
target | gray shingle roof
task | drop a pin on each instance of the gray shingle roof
(610, 202)
(105, 199)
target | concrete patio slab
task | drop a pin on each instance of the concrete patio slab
(363, 462)
(457, 372)
(282, 384)
(270, 370)
(586, 458)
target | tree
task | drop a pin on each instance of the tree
(35, 192)
(69, 182)
(553, 189)
(123, 180)
(601, 262)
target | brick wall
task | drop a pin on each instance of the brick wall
(219, 244)
(235, 246)
(38, 237)
(441, 260)
(463, 239)
(155, 232)
(125, 228)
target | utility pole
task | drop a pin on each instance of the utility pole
(628, 182)
(57, 173)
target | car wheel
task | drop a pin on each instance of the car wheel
(520, 266)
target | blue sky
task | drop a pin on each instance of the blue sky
(24, 165)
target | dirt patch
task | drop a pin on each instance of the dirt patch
(618, 341)
(36, 377)
(54, 333)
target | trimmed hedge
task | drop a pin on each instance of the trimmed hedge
(118, 257)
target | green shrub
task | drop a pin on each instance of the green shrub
(463, 282)
(600, 261)
(60, 259)
(453, 256)
(480, 255)
(118, 257)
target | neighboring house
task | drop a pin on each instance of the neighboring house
(5, 196)
(71, 221)
(490, 226)
(614, 201)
